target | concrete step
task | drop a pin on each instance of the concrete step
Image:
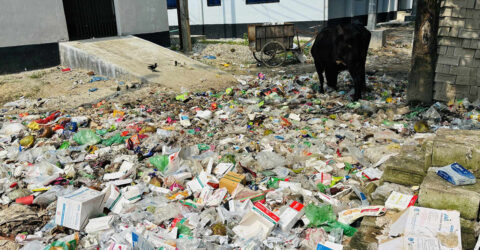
(127, 58)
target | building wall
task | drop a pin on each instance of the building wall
(141, 16)
(405, 4)
(238, 12)
(345, 10)
(458, 64)
(27, 22)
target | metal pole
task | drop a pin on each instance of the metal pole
(372, 14)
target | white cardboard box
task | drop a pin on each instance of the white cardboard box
(99, 224)
(419, 228)
(291, 215)
(258, 223)
(74, 210)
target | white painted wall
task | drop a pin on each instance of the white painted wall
(141, 16)
(26, 22)
(237, 12)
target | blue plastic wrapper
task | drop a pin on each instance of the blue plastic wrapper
(456, 174)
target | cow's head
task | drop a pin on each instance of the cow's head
(346, 49)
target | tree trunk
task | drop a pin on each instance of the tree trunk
(184, 25)
(424, 54)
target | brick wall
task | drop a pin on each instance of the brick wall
(458, 66)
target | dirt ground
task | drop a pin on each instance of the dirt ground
(52, 88)
(393, 59)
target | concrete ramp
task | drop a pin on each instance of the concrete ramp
(127, 58)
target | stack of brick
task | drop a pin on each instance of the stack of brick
(458, 66)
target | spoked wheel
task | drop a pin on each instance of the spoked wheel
(273, 54)
(257, 56)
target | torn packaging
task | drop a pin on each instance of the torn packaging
(425, 228)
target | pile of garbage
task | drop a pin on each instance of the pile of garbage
(267, 164)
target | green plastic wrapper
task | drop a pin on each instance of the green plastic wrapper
(64, 145)
(322, 188)
(325, 217)
(101, 131)
(184, 230)
(319, 216)
(86, 137)
(160, 162)
(203, 147)
(115, 139)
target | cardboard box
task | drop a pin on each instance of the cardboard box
(99, 224)
(74, 210)
(257, 223)
(329, 246)
(116, 201)
(291, 215)
(198, 183)
(231, 180)
(223, 168)
(400, 201)
(425, 228)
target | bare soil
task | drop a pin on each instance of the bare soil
(67, 90)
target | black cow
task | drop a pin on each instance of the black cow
(338, 48)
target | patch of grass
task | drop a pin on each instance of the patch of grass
(244, 42)
(222, 42)
(38, 74)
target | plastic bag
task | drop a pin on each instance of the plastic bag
(432, 114)
(160, 162)
(51, 195)
(325, 217)
(456, 174)
(43, 173)
(115, 139)
(86, 136)
(12, 129)
(33, 245)
(269, 160)
(319, 216)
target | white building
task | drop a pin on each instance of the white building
(30, 30)
(229, 18)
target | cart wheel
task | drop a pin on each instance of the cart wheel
(274, 54)
(257, 57)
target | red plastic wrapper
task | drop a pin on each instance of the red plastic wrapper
(27, 200)
(49, 118)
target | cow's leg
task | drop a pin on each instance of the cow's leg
(320, 68)
(357, 72)
(331, 73)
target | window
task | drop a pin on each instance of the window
(262, 1)
(171, 4)
(214, 2)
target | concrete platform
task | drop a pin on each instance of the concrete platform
(127, 58)
(175, 39)
(378, 40)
